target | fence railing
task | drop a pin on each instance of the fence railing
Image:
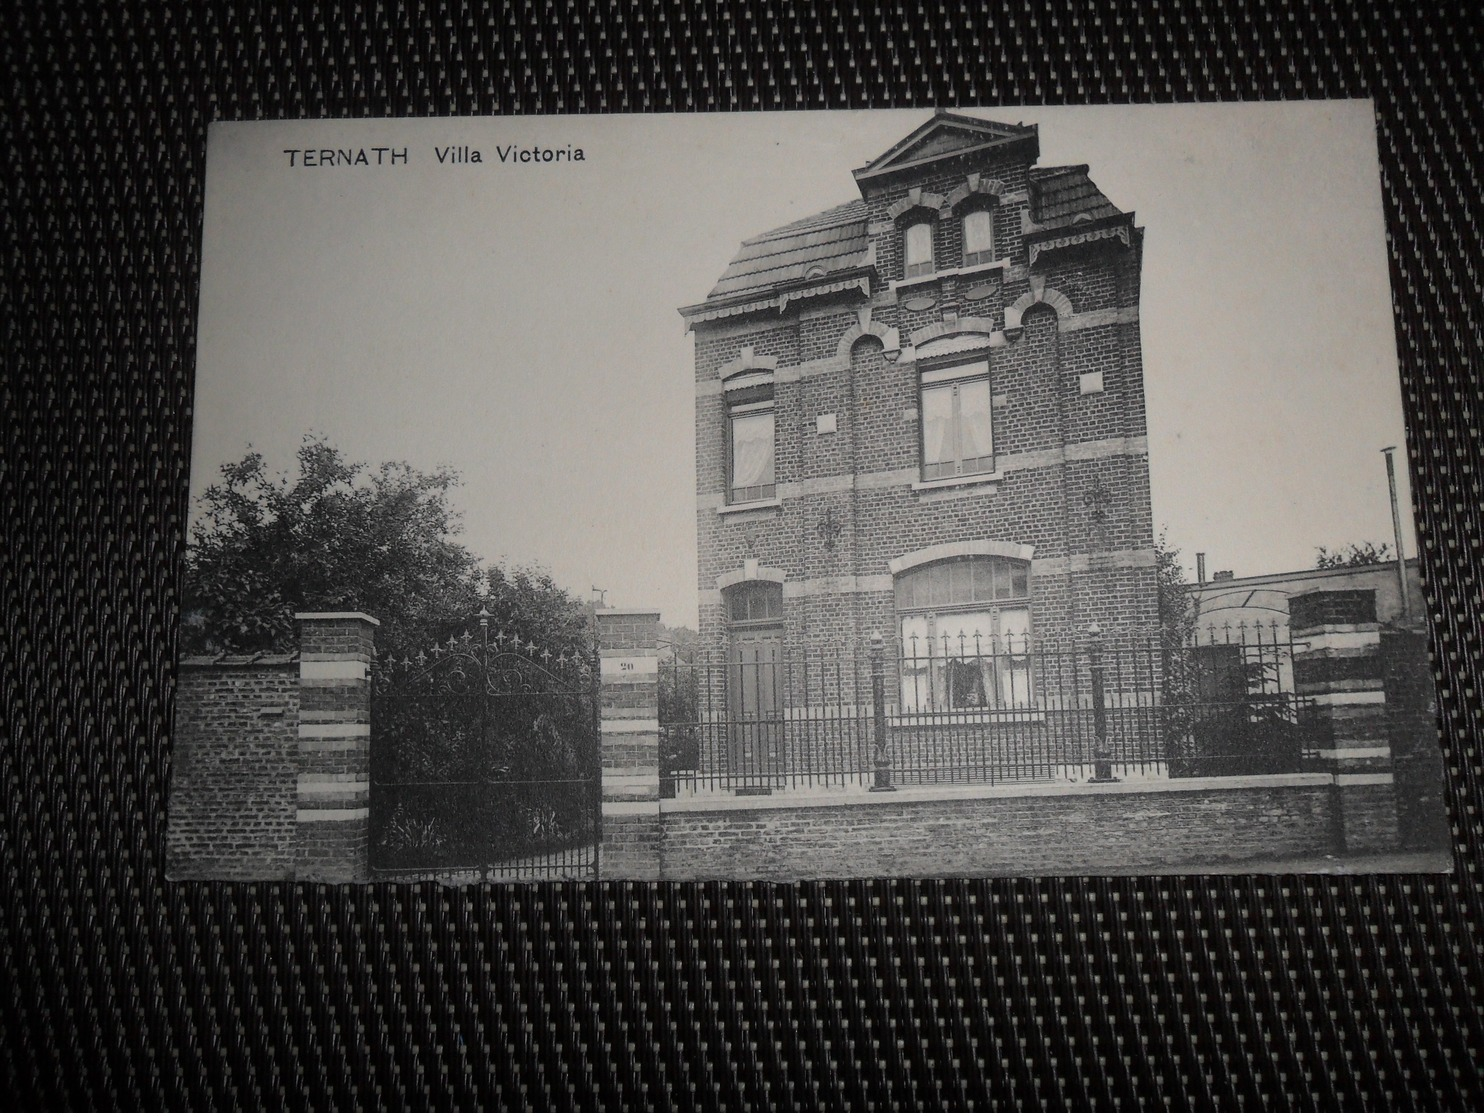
(773, 717)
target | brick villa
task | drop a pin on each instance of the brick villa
(921, 413)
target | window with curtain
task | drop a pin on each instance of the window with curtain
(965, 627)
(750, 450)
(957, 427)
(918, 249)
(978, 237)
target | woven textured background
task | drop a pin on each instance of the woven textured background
(119, 989)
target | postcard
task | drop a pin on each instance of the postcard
(790, 496)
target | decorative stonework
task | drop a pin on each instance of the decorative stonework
(915, 198)
(747, 361)
(864, 326)
(966, 549)
(750, 571)
(976, 186)
(1038, 294)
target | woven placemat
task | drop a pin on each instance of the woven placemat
(119, 989)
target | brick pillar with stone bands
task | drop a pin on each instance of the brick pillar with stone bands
(334, 781)
(1337, 671)
(628, 644)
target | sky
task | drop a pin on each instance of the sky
(517, 321)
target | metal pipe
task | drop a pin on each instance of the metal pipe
(1396, 531)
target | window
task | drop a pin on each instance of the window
(965, 626)
(918, 249)
(750, 445)
(957, 431)
(755, 603)
(978, 237)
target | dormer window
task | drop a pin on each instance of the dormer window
(978, 237)
(918, 249)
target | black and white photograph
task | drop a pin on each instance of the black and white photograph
(969, 492)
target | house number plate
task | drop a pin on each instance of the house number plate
(624, 666)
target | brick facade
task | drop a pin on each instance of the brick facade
(820, 318)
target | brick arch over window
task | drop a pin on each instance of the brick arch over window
(916, 199)
(976, 188)
(864, 327)
(748, 362)
(750, 572)
(968, 548)
(968, 325)
(1049, 296)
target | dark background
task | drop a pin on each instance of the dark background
(120, 989)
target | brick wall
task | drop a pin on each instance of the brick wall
(1117, 828)
(234, 770)
(271, 775)
(1075, 475)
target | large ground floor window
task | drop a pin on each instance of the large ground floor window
(965, 627)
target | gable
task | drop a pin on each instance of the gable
(946, 134)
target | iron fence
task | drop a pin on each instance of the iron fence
(981, 710)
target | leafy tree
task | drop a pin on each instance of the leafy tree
(1177, 607)
(1364, 553)
(336, 535)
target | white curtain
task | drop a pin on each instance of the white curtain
(752, 450)
(1015, 665)
(978, 232)
(975, 433)
(937, 424)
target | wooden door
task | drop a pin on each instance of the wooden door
(755, 708)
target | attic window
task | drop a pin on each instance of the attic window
(917, 249)
(978, 237)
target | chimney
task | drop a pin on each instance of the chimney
(1200, 568)
(1222, 576)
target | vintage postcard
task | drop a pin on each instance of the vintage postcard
(994, 491)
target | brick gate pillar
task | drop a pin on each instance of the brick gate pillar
(334, 782)
(628, 644)
(1337, 667)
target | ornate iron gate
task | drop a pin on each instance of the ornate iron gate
(484, 760)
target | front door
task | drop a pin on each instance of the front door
(755, 706)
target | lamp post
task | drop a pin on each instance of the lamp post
(880, 758)
(1102, 763)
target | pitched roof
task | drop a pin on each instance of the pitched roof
(1059, 195)
(830, 241)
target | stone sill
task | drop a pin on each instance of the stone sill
(750, 506)
(977, 480)
(1002, 264)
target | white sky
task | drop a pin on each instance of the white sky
(518, 323)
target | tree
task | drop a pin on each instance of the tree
(1364, 553)
(1177, 607)
(338, 536)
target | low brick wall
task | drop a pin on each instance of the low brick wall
(1001, 831)
(233, 791)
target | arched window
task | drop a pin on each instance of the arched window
(965, 629)
(978, 227)
(754, 603)
(917, 249)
